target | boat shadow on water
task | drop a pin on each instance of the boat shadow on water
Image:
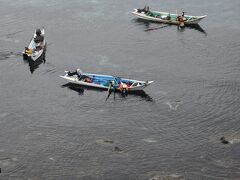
(196, 27)
(147, 26)
(33, 65)
(80, 90)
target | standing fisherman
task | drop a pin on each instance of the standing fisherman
(113, 85)
(123, 89)
(180, 20)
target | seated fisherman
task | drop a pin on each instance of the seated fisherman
(145, 10)
(80, 75)
(39, 37)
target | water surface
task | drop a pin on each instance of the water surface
(51, 130)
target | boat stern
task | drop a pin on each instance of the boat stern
(195, 19)
(149, 82)
(139, 85)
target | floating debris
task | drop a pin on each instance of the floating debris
(117, 149)
(150, 140)
(109, 141)
(223, 140)
(105, 141)
(51, 158)
(174, 105)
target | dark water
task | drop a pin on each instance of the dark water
(52, 130)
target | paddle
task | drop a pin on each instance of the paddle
(109, 90)
(157, 27)
(109, 87)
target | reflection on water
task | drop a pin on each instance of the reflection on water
(141, 94)
(196, 27)
(147, 25)
(80, 90)
(74, 87)
(142, 22)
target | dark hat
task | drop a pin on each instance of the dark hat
(38, 31)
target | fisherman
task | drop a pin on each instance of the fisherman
(183, 13)
(145, 9)
(80, 75)
(123, 89)
(181, 20)
(168, 17)
(39, 37)
(77, 72)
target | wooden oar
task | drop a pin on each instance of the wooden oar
(109, 90)
(158, 27)
(109, 87)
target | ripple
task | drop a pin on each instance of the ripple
(114, 146)
(10, 166)
(173, 105)
(155, 175)
(3, 115)
(150, 140)
(233, 137)
(8, 54)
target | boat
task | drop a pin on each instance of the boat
(166, 17)
(35, 49)
(103, 81)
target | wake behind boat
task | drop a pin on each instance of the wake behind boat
(166, 17)
(105, 81)
(37, 46)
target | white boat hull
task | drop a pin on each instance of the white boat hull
(194, 20)
(137, 85)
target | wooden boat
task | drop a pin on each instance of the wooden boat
(166, 17)
(103, 81)
(36, 48)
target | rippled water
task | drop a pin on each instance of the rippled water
(52, 130)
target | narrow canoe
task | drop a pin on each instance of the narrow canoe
(102, 81)
(166, 17)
